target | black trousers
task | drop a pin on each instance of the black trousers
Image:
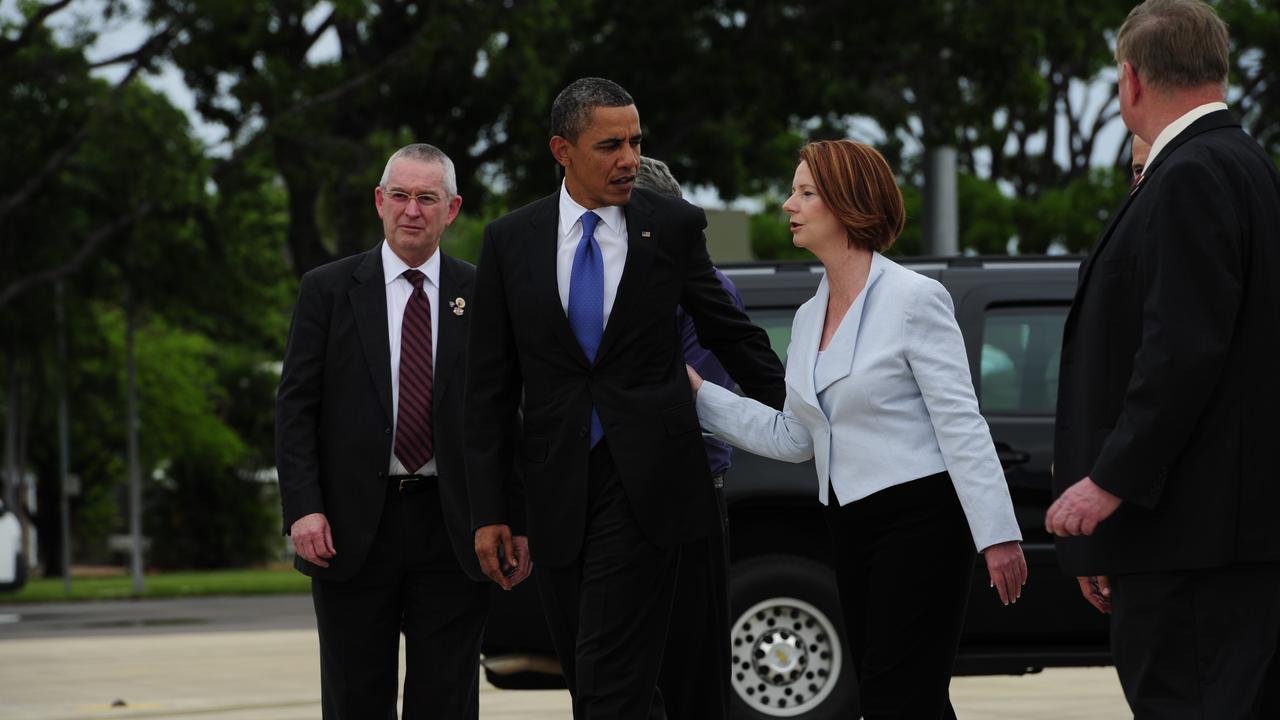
(695, 664)
(608, 610)
(903, 558)
(410, 582)
(1201, 644)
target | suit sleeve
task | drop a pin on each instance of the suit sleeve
(492, 396)
(754, 426)
(1192, 280)
(298, 405)
(936, 354)
(724, 329)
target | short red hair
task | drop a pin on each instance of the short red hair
(857, 184)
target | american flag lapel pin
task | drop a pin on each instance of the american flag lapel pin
(645, 234)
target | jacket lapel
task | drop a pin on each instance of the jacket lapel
(1212, 121)
(369, 306)
(452, 325)
(544, 239)
(641, 236)
(845, 342)
(803, 350)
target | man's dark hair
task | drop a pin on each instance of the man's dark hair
(571, 111)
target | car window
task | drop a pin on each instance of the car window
(777, 323)
(1019, 364)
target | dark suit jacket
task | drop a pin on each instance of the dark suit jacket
(1169, 395)
(334, 416)
(524, 345)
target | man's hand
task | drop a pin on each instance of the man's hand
(312, 539)
(695, 380)
(1008, 570)
(1097, 590)
(489, 540)
(1080, 509)
(519, 571)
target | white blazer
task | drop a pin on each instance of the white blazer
(890, 402)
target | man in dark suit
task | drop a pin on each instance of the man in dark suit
(369, 453)
(577, 294)
(1167, 404)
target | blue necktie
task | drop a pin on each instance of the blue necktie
(586, 301)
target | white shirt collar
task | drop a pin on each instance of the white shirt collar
(1175, 128)
(393, 267)
(571, 213)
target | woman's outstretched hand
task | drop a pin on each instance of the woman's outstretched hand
(1008, 569)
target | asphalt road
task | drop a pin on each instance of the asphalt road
(256, 659)
(143, 617)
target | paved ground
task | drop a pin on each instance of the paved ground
(256, 660)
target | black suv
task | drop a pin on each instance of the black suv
(1011, 311)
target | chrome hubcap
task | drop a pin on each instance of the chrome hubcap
(786, 657)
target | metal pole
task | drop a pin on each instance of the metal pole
(64, 438)
(135, 472)
(941, 214)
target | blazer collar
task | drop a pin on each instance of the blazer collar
(368, 299)
(641, 237)
(1213, 121)
(802, 360)
(455, 294)
(544, 241)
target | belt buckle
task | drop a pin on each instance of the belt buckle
(409, 484)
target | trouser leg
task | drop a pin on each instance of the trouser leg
(904, 560)
(608, 612)
(1198, 644)
(444, 620)
(359, 627)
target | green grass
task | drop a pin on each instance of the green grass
(165, 585)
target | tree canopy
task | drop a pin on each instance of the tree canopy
(199, 246)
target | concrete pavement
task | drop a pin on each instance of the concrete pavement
(246, 661)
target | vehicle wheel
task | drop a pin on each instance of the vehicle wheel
(790, 658)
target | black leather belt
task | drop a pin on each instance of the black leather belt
(410, 484)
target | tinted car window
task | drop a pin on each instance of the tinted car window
(777, 323)
(1019, 365)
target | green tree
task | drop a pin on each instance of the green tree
(110, 192)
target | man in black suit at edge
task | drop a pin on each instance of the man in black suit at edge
(576, 297)
(369, 453)
(1167, 405)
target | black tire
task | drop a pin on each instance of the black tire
(790, 656)
(525, 681)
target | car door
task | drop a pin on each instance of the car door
(1012, 319)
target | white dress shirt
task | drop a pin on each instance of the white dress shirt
(611, 234)
(399, 289)
(889, 401)
(1175, 128)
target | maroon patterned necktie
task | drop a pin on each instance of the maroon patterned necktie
(414, 442)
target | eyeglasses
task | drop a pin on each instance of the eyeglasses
(401, 198)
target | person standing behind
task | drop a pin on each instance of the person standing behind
(369, 455)
(1139, 151)
(577, 296)
(879, 395)
(1164, 464)
(696, 662)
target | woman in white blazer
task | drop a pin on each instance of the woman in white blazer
(879, 395)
